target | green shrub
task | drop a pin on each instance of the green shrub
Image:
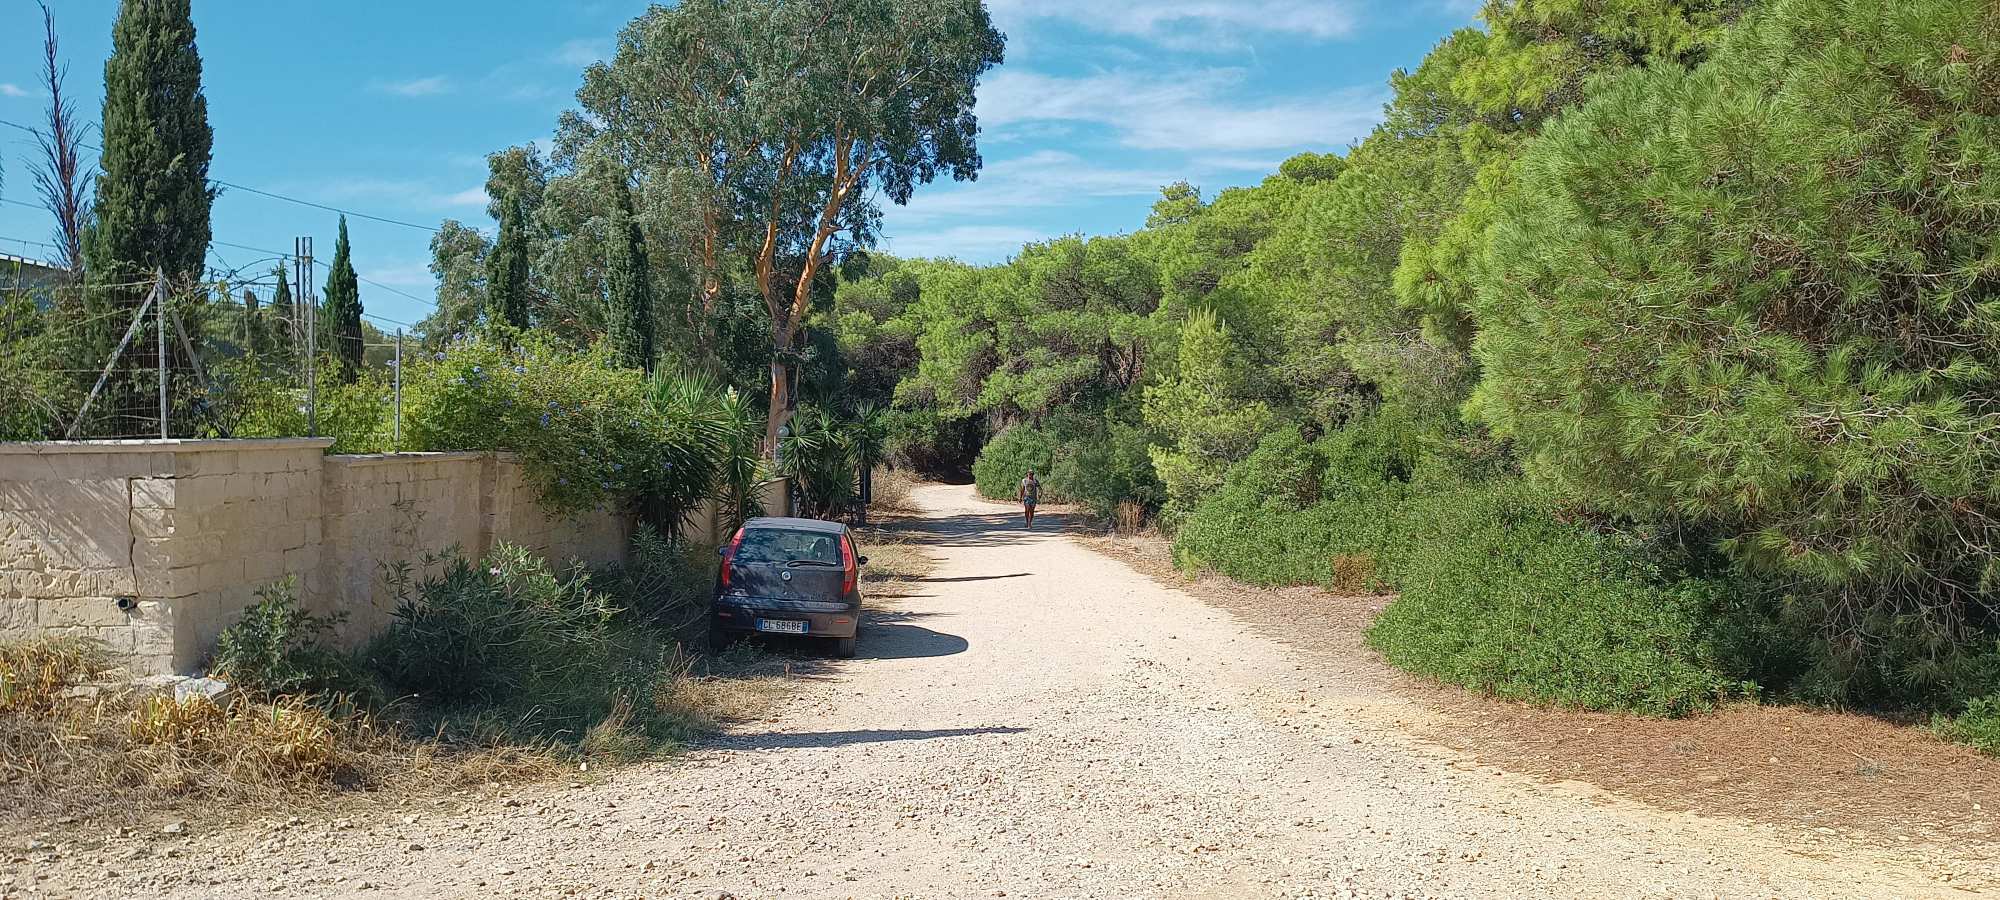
(665, 584)
(1006, 460)
(586, 430)
(1497, 593)
(358, 416)
(504, 649)
(1978, 725)
(1503, 597)
(280, 649)
(492, 632)
(1103, 462)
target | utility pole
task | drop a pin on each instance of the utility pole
(160, 333)
(303, 259)
(396, 430)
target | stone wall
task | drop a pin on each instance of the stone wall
(153, 547)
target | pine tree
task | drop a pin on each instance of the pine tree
(340, 311)
(631, 314)
(153, 193)
(507, 269)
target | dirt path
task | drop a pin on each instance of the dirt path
(1033, 720)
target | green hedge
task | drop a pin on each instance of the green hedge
(1497, 593)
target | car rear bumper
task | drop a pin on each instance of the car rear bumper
(833, 620)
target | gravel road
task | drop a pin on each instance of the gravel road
(1031, 720)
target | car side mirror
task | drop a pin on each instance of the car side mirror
(861, 560)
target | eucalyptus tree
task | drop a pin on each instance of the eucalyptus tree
(780, 121)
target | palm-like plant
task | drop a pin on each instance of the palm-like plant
(820, 456)
(727, 427)
(868, 433)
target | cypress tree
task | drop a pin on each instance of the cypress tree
(153, 194)
(256, 333)
(281, 306)
(630, 317)
(507, 269)
(340, 316)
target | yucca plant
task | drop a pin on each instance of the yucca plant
(727, 427)
(821, 456)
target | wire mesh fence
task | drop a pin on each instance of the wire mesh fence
(160, 358)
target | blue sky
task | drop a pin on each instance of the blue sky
(389, 109)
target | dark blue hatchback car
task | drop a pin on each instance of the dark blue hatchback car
(797, 577)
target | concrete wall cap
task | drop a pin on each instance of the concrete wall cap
(155, 445)
(369, 459)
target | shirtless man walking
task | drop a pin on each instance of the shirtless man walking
(1031, 490)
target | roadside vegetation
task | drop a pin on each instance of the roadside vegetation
(1644, 352)
(493, 669)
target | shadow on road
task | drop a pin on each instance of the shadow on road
(964, 578)
(996, 529)
(884, 640)
(782, 741)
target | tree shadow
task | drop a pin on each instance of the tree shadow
(784, 741)
(965, 578)
(996, 529)
(883, 640)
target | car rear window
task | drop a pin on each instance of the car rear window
(783, 545)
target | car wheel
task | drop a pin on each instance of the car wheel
(844, 647)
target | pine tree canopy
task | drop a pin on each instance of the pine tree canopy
(1766, 293)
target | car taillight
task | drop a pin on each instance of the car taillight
(850, 571)
(729, 559)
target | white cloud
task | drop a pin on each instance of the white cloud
(8, 89)
(581, 52)
(968, 242)
(400, 192)
(1192, 111)
(1044, 179)
(1189, 24)
(417, 87)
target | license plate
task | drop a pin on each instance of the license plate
(781, 626)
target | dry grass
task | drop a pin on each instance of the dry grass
(893, 557)
(1129, 519)
(1352, 572)
(76, 746)
(891, 489)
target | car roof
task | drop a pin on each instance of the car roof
(796, 524)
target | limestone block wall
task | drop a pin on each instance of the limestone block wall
(152, 548)
(394, 508)
(516, 518)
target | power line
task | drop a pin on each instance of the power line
(275, 196)
(329, 266)
(276, 254)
